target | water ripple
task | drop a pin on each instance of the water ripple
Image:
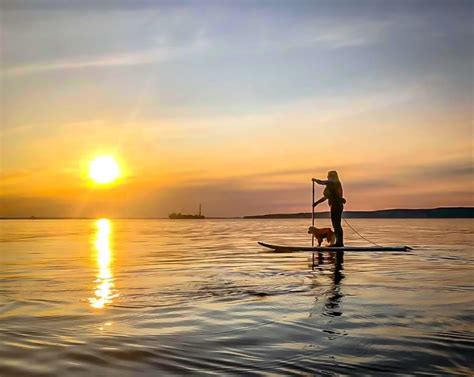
(214, 303)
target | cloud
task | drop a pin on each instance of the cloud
(336, 34)
(220, 199)
(370, 184)
(272, 191)
(444, 170)
(83, 5)
(9, 176)
(22, 206)
(263, 35)
(80, 37)
(111, 60)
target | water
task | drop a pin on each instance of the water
(154, 297)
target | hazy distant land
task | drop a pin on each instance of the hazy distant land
(398, 213)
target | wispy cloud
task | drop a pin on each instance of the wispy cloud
(337, 35)
(8, 176)
(157, 54)
(260, 37)
(309, 35)
(457, 169)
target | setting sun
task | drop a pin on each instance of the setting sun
(104, 169)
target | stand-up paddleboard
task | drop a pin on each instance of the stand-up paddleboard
(292, 249)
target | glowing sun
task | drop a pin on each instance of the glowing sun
(104, 169)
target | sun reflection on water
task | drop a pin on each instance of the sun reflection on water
(104, 291)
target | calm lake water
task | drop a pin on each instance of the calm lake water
(161, 297)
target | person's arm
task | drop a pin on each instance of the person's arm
(320, 181)
(319, 201)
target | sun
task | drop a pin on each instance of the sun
(104, 169)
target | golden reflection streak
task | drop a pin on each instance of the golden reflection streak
(104, 291)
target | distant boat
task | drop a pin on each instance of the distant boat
(180, 215)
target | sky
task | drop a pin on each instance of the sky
(234, 104)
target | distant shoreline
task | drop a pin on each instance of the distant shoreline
(397, 213)
(117, 218)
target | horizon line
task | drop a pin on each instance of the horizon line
(243, 217)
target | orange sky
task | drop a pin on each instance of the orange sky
(231, 111)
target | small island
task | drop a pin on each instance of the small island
(180, 215)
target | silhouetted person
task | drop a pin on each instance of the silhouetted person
(334, 194)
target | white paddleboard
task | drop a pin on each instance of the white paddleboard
(292, 249)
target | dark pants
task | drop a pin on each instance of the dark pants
(336, 217)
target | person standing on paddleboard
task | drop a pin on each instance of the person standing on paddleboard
(334, 194)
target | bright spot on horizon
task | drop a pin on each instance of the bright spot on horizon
(104, 169)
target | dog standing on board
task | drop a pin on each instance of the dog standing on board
(323, 233)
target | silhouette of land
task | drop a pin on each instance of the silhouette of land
(399, 213)
(184, 216)
(180, 215)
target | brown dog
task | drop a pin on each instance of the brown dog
(321, 234)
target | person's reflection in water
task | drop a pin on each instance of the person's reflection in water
(332, 306)
(333, 302)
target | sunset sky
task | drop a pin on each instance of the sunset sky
(235, 105)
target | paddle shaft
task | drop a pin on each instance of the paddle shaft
(312, 215)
